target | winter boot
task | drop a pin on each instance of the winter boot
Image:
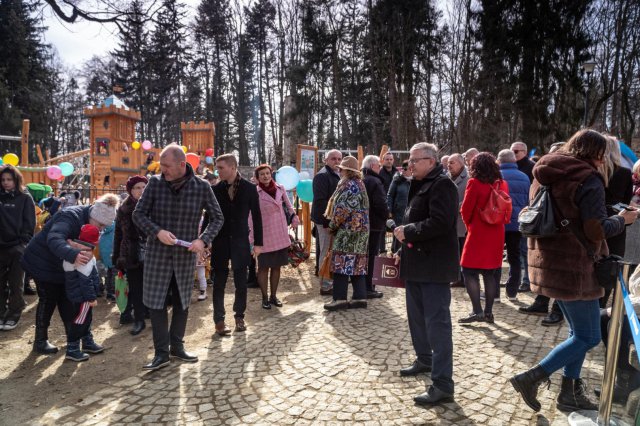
(74, 353)
(41, 344)
(527, 384)
(573, 396)
(90, 346)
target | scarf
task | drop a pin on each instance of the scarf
(329, 213)
(176, 185)
(233, 188)
(270, 189)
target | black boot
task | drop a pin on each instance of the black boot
(138, 326)
(573, 396)
(44, 312)
(527, 384)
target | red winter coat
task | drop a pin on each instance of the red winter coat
(484, 244)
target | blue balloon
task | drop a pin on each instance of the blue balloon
(305, 190)
(288, 177)
(209, 160)
(67, 169)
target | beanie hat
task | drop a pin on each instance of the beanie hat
(89, 234)
(133, 180)
(104, 209)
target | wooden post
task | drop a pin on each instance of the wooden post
(40, 157)
(24, 159)
(383, 151)
(306, 220)
(360, 156)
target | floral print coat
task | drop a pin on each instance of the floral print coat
(349, 223)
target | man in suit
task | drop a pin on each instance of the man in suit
(238, 198)
(169, 210)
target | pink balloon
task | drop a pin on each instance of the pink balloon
(147, 145)
(54, 172)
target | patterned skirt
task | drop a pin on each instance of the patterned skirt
(349, 263)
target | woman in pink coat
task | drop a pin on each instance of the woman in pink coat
(275, 207)
(482, 253)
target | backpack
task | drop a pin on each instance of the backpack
(538, 220)
(498, 209)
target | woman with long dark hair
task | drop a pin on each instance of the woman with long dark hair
(561, 267)
(482, 252)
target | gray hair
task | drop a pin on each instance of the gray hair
(506, 156)
(456, 157)
(520, 144)
(636, 168)
(332, 151)
(428, 149)
(175, 151)
(369, 160)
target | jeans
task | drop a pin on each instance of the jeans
(324, 238)
(219, 283)
(524, 261)
(583, 317)
(374, 250)
(341, 286)
(430, 327)
(11, 283)
(472, 283)
(513, 240)
(163, 334)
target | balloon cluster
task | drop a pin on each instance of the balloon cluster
(146, 145)
(208, 156)
(60, 171)
(289, 177)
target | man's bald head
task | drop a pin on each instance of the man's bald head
(174, 152)
(173, 162)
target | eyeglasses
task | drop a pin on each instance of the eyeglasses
(415, 160)
(405, 167)
(518, 150)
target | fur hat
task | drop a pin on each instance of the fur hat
(133, 180)
(104, 208)
(349, 163)
(89, 234)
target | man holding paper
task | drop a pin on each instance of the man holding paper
(169, 210)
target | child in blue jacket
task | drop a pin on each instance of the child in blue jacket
(106, 249)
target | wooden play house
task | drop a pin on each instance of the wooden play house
(198, 136)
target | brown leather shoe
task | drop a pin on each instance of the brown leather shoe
(240, 325)
(222, 329)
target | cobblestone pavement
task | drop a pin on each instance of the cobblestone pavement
(302, 365)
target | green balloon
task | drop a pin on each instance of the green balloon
(67, 169)
(305, 190)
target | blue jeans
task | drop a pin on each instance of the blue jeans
(430, 327)
(583, 317)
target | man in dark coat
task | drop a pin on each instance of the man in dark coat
(169, 210)
(429, 261)
(460, 176)
(324, 185)
(378, 214)
(238, 200)
(387, 171)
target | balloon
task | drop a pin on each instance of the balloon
(305, 190)
(1, 161)
(288, 177)
(193, 159)
(135, 145)
(67, 169)
(304, 175)
(11, 159)
(61, 178)
(147, 145)
(54, 172)
(184, 148)
(209, 152)
(208, 159)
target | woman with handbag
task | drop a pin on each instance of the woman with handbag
(482, 252)
(561, 266)
(276, 209)
(348, 214)
(128, 251)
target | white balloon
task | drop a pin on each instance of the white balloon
(288, 177)
(304, 175)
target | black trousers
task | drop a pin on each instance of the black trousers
(51, 295)
(163, 334)
(75, 332)
(134, 278)
(374, 250)
(11, 283)
(544, 301)
(220, 275)
(512, 241)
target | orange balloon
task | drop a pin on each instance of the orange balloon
(193, 159)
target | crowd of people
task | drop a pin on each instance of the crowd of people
(177, 225)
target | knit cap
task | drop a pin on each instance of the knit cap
(133, 180)
(104, 209)
(89, 234)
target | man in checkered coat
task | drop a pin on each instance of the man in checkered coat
(170, 209)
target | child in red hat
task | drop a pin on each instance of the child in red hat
(82, 285)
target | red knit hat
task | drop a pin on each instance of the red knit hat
(133, 180)
(89, 234)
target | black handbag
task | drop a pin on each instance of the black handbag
(538, 220)
(288, 216)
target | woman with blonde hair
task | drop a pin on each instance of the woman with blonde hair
(348, 213)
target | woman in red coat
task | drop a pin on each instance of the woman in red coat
(482, 253)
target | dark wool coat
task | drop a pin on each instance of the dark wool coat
(559, 266)
(17, 218)
(80, 288)
(128, 240)
(387, 177)
(160, 207)
(44, 254)
(430, 227)
(378, 211)
(232, 242)
(398, 197)
(324, 185)
(525, 165)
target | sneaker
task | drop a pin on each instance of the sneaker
(92, 347)
(512, 298)
(10, 324)
(202, 296)
(76, 355)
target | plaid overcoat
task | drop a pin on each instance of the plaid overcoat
(179, 213)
